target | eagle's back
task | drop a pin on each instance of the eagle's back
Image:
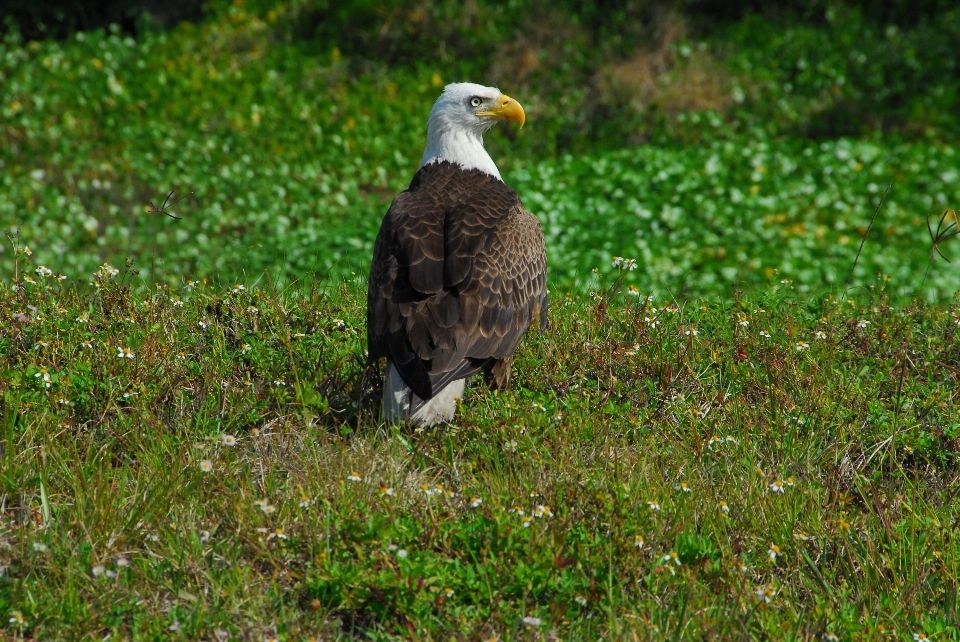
(458, 276)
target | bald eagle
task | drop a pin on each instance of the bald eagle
(459, 266)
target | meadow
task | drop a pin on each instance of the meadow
(754, 435)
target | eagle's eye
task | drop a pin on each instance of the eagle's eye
(475, 102)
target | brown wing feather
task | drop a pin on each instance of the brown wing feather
(458, 275)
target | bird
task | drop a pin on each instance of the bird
(459, 268)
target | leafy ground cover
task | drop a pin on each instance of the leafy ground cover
(205, 461)
(291, 157)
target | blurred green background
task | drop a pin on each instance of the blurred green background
(723, 144)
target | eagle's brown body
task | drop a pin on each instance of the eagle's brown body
(458, 276)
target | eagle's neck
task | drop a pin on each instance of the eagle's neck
(457, 145)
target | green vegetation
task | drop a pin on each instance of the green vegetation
(712, 434)
(292, 156)
(725, 443)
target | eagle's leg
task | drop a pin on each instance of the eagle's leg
(497, 373)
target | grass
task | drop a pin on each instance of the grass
(659, 469)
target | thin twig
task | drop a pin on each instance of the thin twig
(864, 240)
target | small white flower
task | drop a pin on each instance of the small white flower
(82, 319)
(654, 506)
(252, 310)
(355, 477)
(542, 511)
(764, 334)
(744, 322)
(238, 288)
(402, 553)
(279, 383)
(766, 593)
(475, 502)
(229, 440)
(39, 547)
(531, 621)
(305, 502)
(206, 465)
(617, 261)
(691, 331)
(124, 353)
(177, 303)
(98, 570)
(863, 324)
(203, 323)
(802, 345)
(819, 335)
(638, 541)
(246, 348)
(773, 552)
(579, 599)
(87, 344)
(723, 506)
(777, 486)
(632, 290)
(123, 562)
(682, 486)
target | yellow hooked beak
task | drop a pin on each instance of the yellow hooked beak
(508, 109)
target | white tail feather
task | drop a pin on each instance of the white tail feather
(398, 398)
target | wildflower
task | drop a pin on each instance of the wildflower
(61, 277)
(123, 562)
(386, 491)
(654, 506)
(863, 324)
(82, 319)
(63, 401)
(683, 487)
(246, 348)
(526, 522)
(177, 303)
(392, 547)
(298, 335)
(538, 406)
(692, 331)
(252, 310)
(206, 465)
(98, 570)
(776, 486)
(16, 617)
(29, 279)
(175, 626)
(773, 552)
(44, 376)
(557, 417)
(830, 636)
(531, 621)
(203, 323)
(789, 481)
(819, 334)
(638, 541)
(766, 593)
(229, 440)
(723, 506)
(617, 261)
(542, 511)
(632, 290)
(238, 288)
(124, 353)
(189, 285)
(87, 344)
(280, 534)
(402, 553)
(41, 344)
(843, 525)
(579, 599)
(744, 322)
(630, 264)
(279, 383)
(651, 322)
(517, 510)
(800, 535)
(475, 502)
(634, 350)
(355, 477)
(764, 334)
(25, 250)
(920, 637)
(305, 502)
(39, 547)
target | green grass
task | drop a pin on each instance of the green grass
(614, 408)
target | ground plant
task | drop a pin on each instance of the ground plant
(742, 422)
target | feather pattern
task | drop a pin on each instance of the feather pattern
(458, 276)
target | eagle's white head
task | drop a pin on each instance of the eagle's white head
(462, 113)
